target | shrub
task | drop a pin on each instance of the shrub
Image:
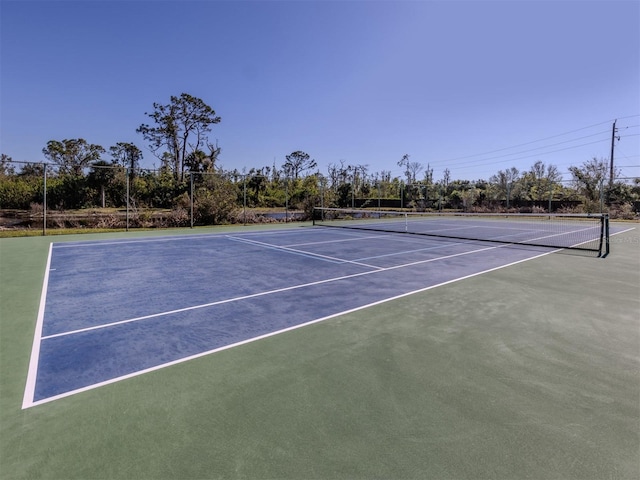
(178, 217)
(624, 211)
(239, 216)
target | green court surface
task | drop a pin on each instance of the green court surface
(529, 371)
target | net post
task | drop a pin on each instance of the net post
(604, 236)
(607, 235)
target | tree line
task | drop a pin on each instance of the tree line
(85, 175)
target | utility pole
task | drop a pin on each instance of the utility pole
(613, 140)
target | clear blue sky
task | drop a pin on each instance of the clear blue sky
(475, 87)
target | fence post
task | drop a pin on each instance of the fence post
(353, 191)
(286, 198)
(191, 197)
(128, 194)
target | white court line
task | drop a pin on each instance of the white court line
(99, 243)
(30, 388)
(168, 238)
(394, 254)
(271, 334)
(396, 236)
(353, 239)
(325, 258)
(269, 292)
(622, 231)
(529, 240)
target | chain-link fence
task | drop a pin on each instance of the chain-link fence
(39, 197)
(116, 197)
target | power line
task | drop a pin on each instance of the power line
(492, 160)
(537, 148)
(533, 141)
(530, 156)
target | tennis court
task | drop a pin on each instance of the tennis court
(114, 309)
(421, 346)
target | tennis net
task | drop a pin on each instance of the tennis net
(572, 231)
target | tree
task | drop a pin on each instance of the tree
(446, 179)
(504, 181)
(589, 178)
(256, 185)
(298, 162)
(540, 179)
(199, 161)
(5, 165)
(621, 193)
(215, 200)
(469, 197)
(338, 174)
(72, 155)
(127, 155)
(359, 179)
(180, 127)
(404, 162)
(103, 176)
(411, 169)
(32, 170)
(196, 162)
(457, 189)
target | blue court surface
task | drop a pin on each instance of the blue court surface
(111, 310)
